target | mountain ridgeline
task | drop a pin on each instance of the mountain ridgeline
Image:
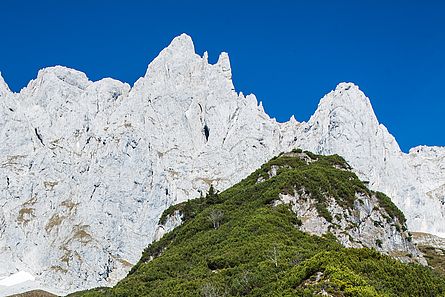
(88, 167)
(301, 225)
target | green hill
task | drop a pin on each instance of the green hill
(36, 293)
(242, 243)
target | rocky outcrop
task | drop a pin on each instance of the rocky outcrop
(432, 248)
(370, 221)
(429, 240)
(87, 168)
(171, 222)
(366, 224)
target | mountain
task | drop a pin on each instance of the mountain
(254, 239)
(87, 168)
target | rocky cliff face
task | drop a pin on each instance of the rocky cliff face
(86, 168)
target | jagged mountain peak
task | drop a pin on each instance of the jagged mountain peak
(179, 63)
(224, 64)
(345, 123)
(347, 96)
(182, 77)
(343, 115)
(346, 86)
(180, 52)
(87, 165)
(182, 43)
(57, 76)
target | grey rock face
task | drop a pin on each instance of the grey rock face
(365, 225)
(87, 168)
(425, 239)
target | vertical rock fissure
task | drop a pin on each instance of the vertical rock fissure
(39, 136)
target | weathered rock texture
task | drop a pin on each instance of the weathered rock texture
(86, 168)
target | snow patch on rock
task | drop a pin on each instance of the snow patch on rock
(16, 278)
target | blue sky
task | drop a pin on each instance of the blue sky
(288, 53)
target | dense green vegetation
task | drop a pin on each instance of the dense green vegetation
(36, 293)
(235, 243)
(391, 209)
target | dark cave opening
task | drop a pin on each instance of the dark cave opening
(206, 132)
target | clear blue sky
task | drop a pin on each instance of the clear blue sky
(288, 53)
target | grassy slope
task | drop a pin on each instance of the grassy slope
(259, 251)
(36, 293)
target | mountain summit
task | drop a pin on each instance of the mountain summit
(87, 168)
